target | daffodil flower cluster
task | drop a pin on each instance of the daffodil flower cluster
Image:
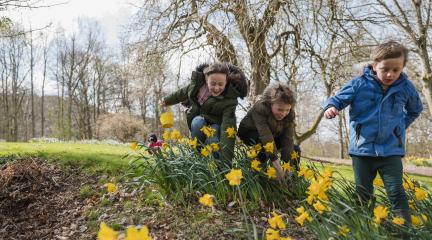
(276, 222)
(210, 148)
(174, 135)
(303, 215)
(132, 233)
(208, 131)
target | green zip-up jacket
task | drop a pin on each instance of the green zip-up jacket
(260, 119)
(216, 110)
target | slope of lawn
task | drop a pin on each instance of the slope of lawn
(100, 158)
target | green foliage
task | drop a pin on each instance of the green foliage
(348, 210)
(86, 191)
(184, 174)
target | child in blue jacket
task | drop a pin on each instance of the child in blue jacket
(383, 103)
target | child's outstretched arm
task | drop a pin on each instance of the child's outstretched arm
(228, 142)
(264, 131)
(342, 99)
(176, 97)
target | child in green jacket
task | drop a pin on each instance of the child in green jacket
(211, 97)
(271, 120)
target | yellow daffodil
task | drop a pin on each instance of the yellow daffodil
(165, 145)
(111, 187)
(133, 233)
(251, 154)
(167, 119)
(205, 151)
(208, 131)
(378, 182)
(398, 221)
(300, 209)
(175, 135)
(257, 147)
(285, 238)
(416, 221)
(231, 132)
(420, 194)
(320, 207)
(234, 177)
(276, 221)
(408, 184)
(271, 172)
(193, 143)
(272, 234)
(318, 188)
(306, 173)
(166, 135)
(206, 200)
(424, 217)
(214, 147)
(255, 165)
(106, 233)
(269, 147)
(328, 172)
(302, 217)
(310, 199)
(295, 155)
(380, 212)
(287, 167)
(343, 230)
(134, 145)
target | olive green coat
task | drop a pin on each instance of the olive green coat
(260, 119)
(216, 110)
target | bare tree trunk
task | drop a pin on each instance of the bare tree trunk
(45, 60)
(32, 64)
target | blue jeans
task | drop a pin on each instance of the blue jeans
(199, 122)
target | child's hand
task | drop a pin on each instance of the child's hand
(331, 112)
(163, 103)
(279, 171)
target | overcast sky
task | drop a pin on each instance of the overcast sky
(111, 14)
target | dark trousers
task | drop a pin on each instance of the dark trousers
(390, 170)
(250, 137)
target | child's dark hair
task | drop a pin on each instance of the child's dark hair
(278, 92)
(390, 49)
(238, 79)
(152, 137)
(216, 67)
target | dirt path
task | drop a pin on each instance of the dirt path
(425, 171)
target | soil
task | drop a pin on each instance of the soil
(41, 201)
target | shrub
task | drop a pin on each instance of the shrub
(119, 126)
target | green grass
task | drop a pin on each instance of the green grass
(347, 172)
(92, 158)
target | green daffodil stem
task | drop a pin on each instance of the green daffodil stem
(246, 217)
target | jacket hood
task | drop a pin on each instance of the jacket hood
(370, 74)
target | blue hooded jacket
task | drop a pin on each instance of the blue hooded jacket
(378, 118)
